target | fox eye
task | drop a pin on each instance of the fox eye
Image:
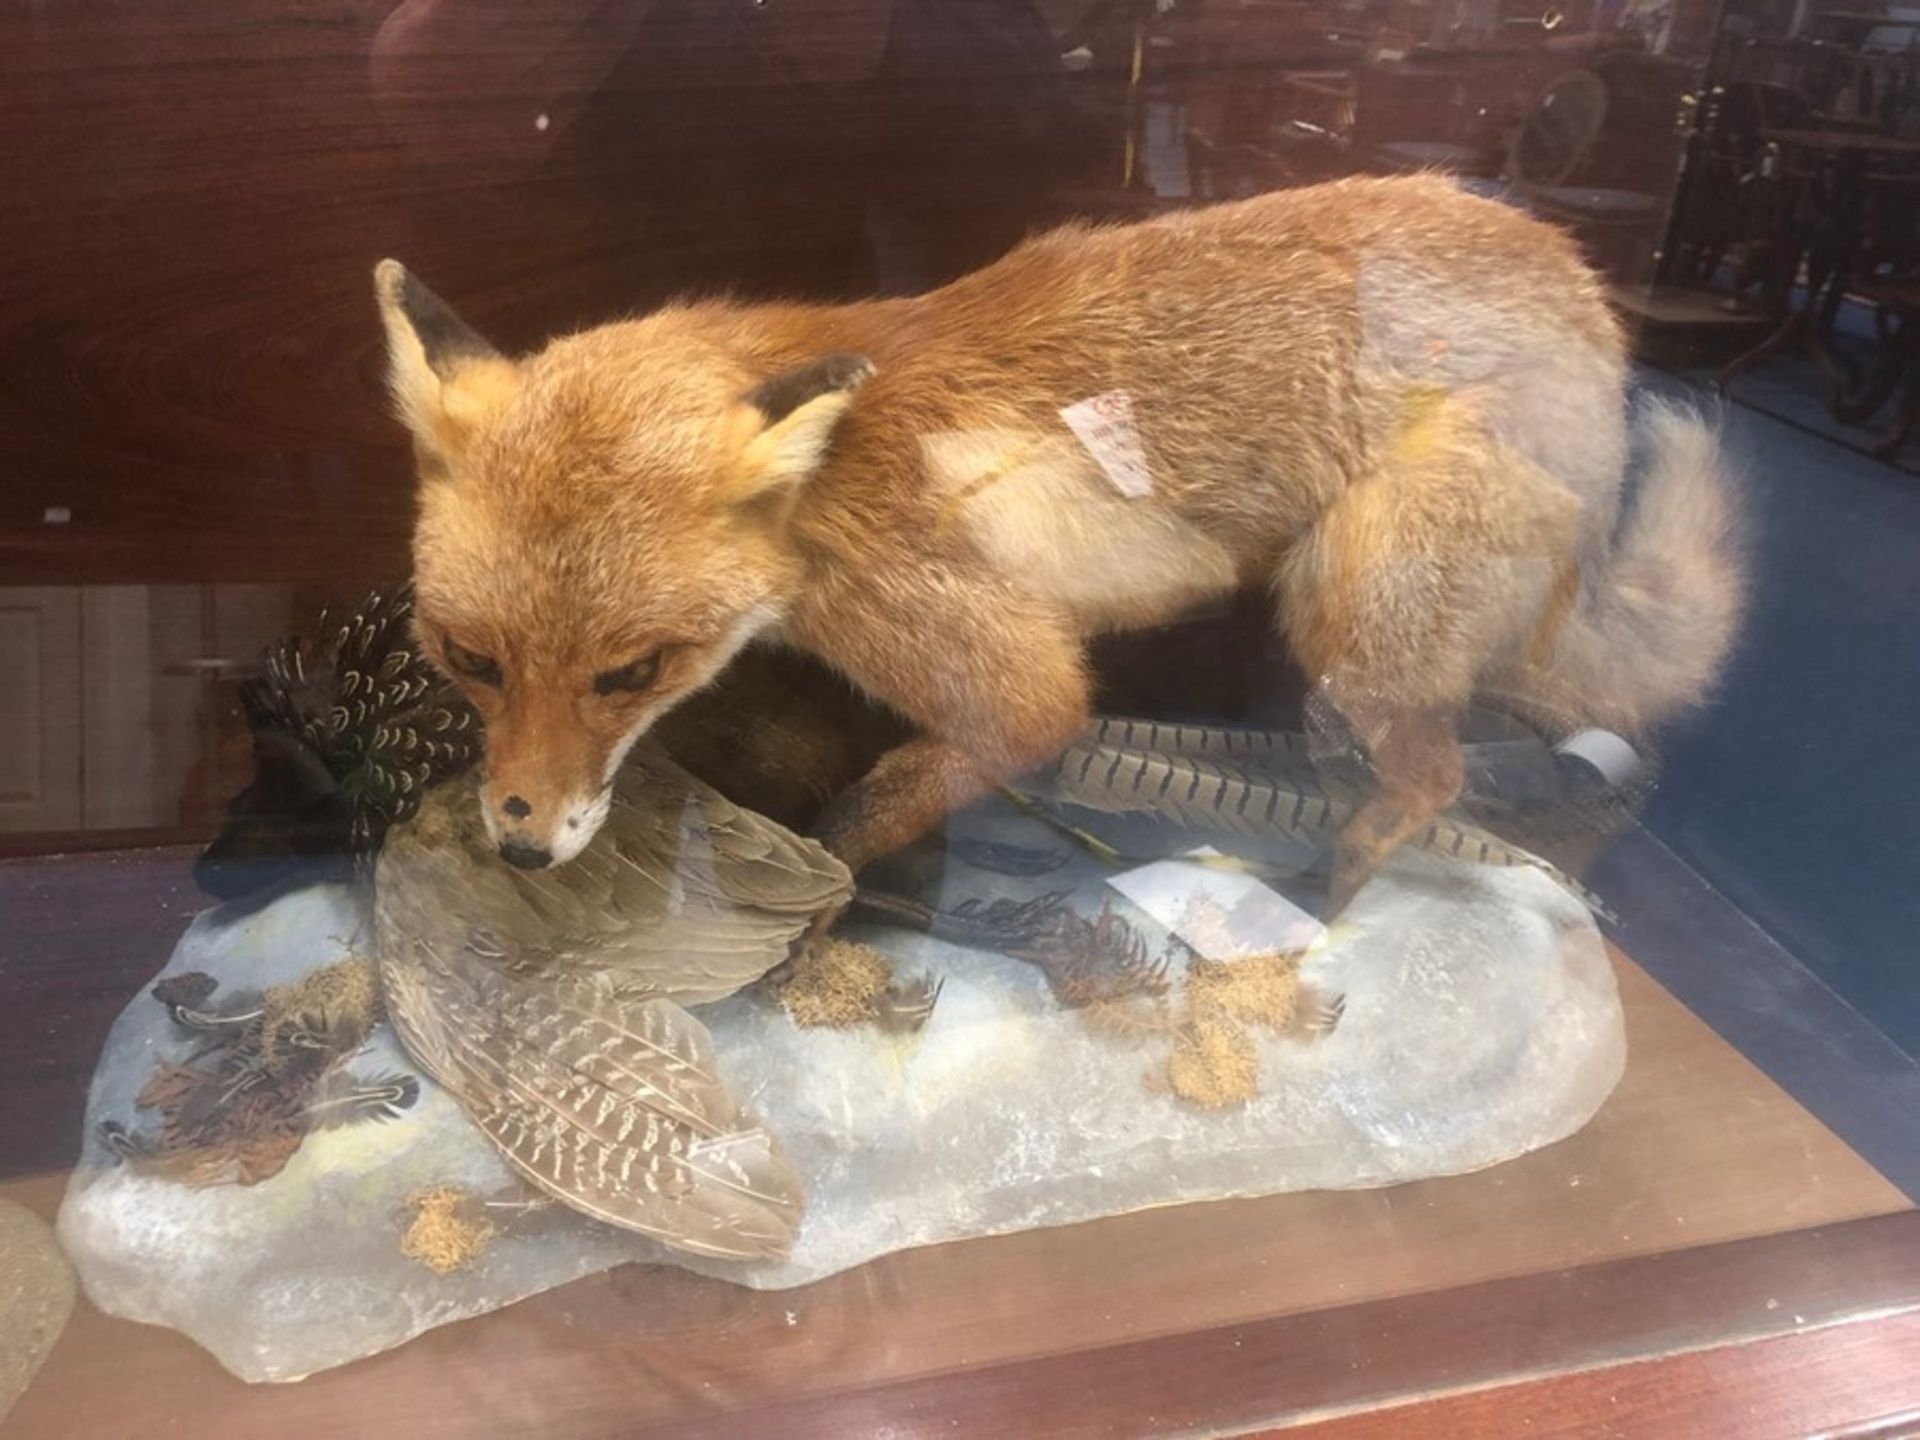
(471, 663)
(634, 676)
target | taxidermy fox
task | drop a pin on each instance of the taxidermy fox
(1399, 407)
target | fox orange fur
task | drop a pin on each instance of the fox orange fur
(1400, 407)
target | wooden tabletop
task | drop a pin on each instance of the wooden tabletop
(1702, 1205)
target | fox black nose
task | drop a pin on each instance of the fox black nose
(523, 856)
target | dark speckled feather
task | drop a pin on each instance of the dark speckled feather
(350, 730)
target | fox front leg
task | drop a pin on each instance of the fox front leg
(996, 687)
(910, 790)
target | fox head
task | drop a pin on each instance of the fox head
(600, 529)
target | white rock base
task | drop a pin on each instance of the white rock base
(1481, 1022)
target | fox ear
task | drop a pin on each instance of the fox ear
(797, 415)
(445, 379)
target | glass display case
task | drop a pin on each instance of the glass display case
(1008, 717)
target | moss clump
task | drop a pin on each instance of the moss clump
(1213, 1064)
(441, 1237)
(837, 983)
(1256, 990)
(334, 1006)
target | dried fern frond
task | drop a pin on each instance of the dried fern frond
(1086, 961)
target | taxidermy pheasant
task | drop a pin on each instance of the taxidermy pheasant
(349, 731)
(549, 1003)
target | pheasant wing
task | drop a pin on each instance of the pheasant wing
(610, 1105)
(702, 897)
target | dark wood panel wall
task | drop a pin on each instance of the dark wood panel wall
(193, 196)
(194, 192)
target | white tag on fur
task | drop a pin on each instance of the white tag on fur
(1104, 424)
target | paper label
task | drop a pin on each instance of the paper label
(1222, 914)
(1104, 424)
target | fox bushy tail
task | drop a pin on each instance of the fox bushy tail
(1650, 628)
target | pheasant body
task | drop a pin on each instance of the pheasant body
(550, 1003)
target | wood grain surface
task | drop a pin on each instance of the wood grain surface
(195, 195)
(1858, 1380)
(1695, 1150)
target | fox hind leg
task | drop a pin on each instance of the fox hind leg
(1418, 769)
(1405, 588)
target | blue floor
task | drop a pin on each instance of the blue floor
(1797, 794)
